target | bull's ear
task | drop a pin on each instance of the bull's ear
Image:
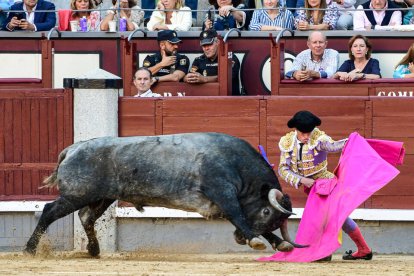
(286, 202)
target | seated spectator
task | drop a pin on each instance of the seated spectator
(79, 9)
(167, 65)
(407, 14)
(377, 13)
(408, 18)
(360, 65)
(143, 81)
(229, 15)
(170, 15)
(4, 8)
(405, 68)
(292, 4)
(272, 19)
(345, 10)
(134, 17)
(22, 16)
(205, 67)
(315, 62)
(323, 19)
(93, 17)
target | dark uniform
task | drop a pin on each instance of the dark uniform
(182, 63)
(208, 68)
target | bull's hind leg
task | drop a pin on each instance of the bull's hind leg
(51, 212)
(88, 216)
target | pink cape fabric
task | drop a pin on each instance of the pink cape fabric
(361, 172)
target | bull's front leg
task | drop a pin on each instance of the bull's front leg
(277, 243)
(228, 203)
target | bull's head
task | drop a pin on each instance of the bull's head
(268, 218)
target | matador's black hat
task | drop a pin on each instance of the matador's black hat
(304, 121)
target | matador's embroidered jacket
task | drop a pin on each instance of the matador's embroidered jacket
(314, 156)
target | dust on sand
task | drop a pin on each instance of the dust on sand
(143, 263)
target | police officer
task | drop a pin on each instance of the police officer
(205, 67)
(167, 65)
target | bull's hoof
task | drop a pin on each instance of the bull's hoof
(29, 251)
(257, 244)
(93, 249)
(239, 238)
(285, 246)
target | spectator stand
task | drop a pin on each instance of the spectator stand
(328, 87)
(147, 43)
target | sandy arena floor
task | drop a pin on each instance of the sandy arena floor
(70, 263)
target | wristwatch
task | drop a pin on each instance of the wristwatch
(156, 79)
(363, 76)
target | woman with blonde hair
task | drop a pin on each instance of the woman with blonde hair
(170, 15)
(323, 17)
(360, 65)
(405, 68)
(82, 8)
(129, 10)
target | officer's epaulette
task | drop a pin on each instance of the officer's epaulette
(286, 142)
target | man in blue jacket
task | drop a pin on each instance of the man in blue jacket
(23, 16)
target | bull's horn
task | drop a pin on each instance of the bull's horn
(274, 196)
(286, 236)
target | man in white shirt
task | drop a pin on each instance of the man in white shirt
(142, 81)
(376, 13)
(315, 62)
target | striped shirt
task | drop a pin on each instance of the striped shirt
(260, 18)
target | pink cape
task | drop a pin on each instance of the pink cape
(365, 167)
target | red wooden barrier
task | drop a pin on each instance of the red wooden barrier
(45, 47)
(34, 127)
(262, 120)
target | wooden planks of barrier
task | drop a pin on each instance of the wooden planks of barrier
(262, 120)
(45, 47)
(34, 128)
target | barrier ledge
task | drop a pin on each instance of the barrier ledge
(7, 34)
(19, 80)
(196, 33)
(323, 81)
(161, 212)
(359, 214)
(348, 34)
(335, 81)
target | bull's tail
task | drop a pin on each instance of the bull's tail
(50, 181)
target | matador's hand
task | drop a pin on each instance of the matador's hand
(308, 182)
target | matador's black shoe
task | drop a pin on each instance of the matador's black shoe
(348, 256)
(326, 259)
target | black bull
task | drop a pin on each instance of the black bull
(214, 174)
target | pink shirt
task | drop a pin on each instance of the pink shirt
(361, 21)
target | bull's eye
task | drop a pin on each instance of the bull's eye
(266, 211)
